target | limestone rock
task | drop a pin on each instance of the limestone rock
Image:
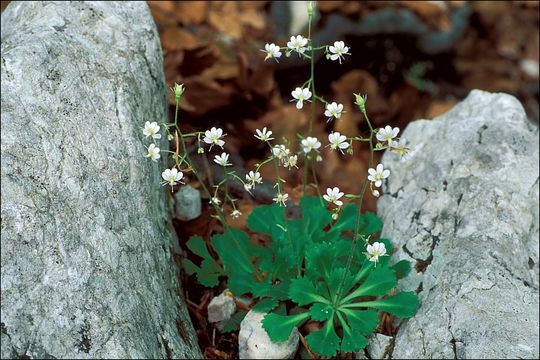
(221, 308)
(464, 209)
(254, 343)
(86, 264)
(188, 203)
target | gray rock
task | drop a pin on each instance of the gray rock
(188, 203)
(86, 262)
(221, 308)
(379, 346)
(464, 209)
(254, 343)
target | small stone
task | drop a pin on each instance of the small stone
(188, 203)
(379, 346)
(221, 308)
(254, 343)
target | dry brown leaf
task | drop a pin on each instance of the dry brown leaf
(174, 38)
(225, 23)
(191, 12)
(161, 12)
(327, 6)
(221, 71)
(253, 18)
(204, 96)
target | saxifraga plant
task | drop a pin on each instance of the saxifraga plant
(325, 264)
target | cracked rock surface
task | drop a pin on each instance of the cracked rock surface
(464, 209)
(87, 270)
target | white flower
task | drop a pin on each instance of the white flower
(333, 110)
(222, 159)
(375, 250)
(281, 199)
(272, 51)
(171, 176)
(236, 214)
(213, 136)
(333, 195)
(215, 201)
(310, 143)
(387, 134)
(254, 177)
(376, 176)
(151, 129)
(338, 50)
(338, 141)
(248, 187)
(401, 148)
(290, 161)
(300, 95)
(298, 44)
(280, 151)
(153, 152)
(264, 135)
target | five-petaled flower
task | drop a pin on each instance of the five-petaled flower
(376, 176)
(172, 177)
(213, 137)
(298, 43)
(376, 250)
(153, 152)
(387, 134)
(281, 199)
(151, 129)
(333, 110)
(272, 51)
(338, 50)
(290, 161)
(280, 151)
(222, 159)
(236, 214)
(401, 148)
(215, 201)
(254, 177)
(333, 196)
(264, 135)
(310, 143)
(300, 95)
(338, 141)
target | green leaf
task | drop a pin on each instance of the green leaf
(403, 304)
(315, 216)
(319, 260)
(402, 268)
(324, 342)
(320, 312)
(370, 224)
(235, 249)
(265, 305)
(362, 321)
(264, 218)
(233, 324)
(240, 282)
(279, 327)
(353, 342)
(209, 271)
(303, 292)
(378, 283)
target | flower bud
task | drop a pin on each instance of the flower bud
(318, 158)
(360, 100)
(200, 150)
(178, 91)
(310, 8)
(170, 137)
(375, 193)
